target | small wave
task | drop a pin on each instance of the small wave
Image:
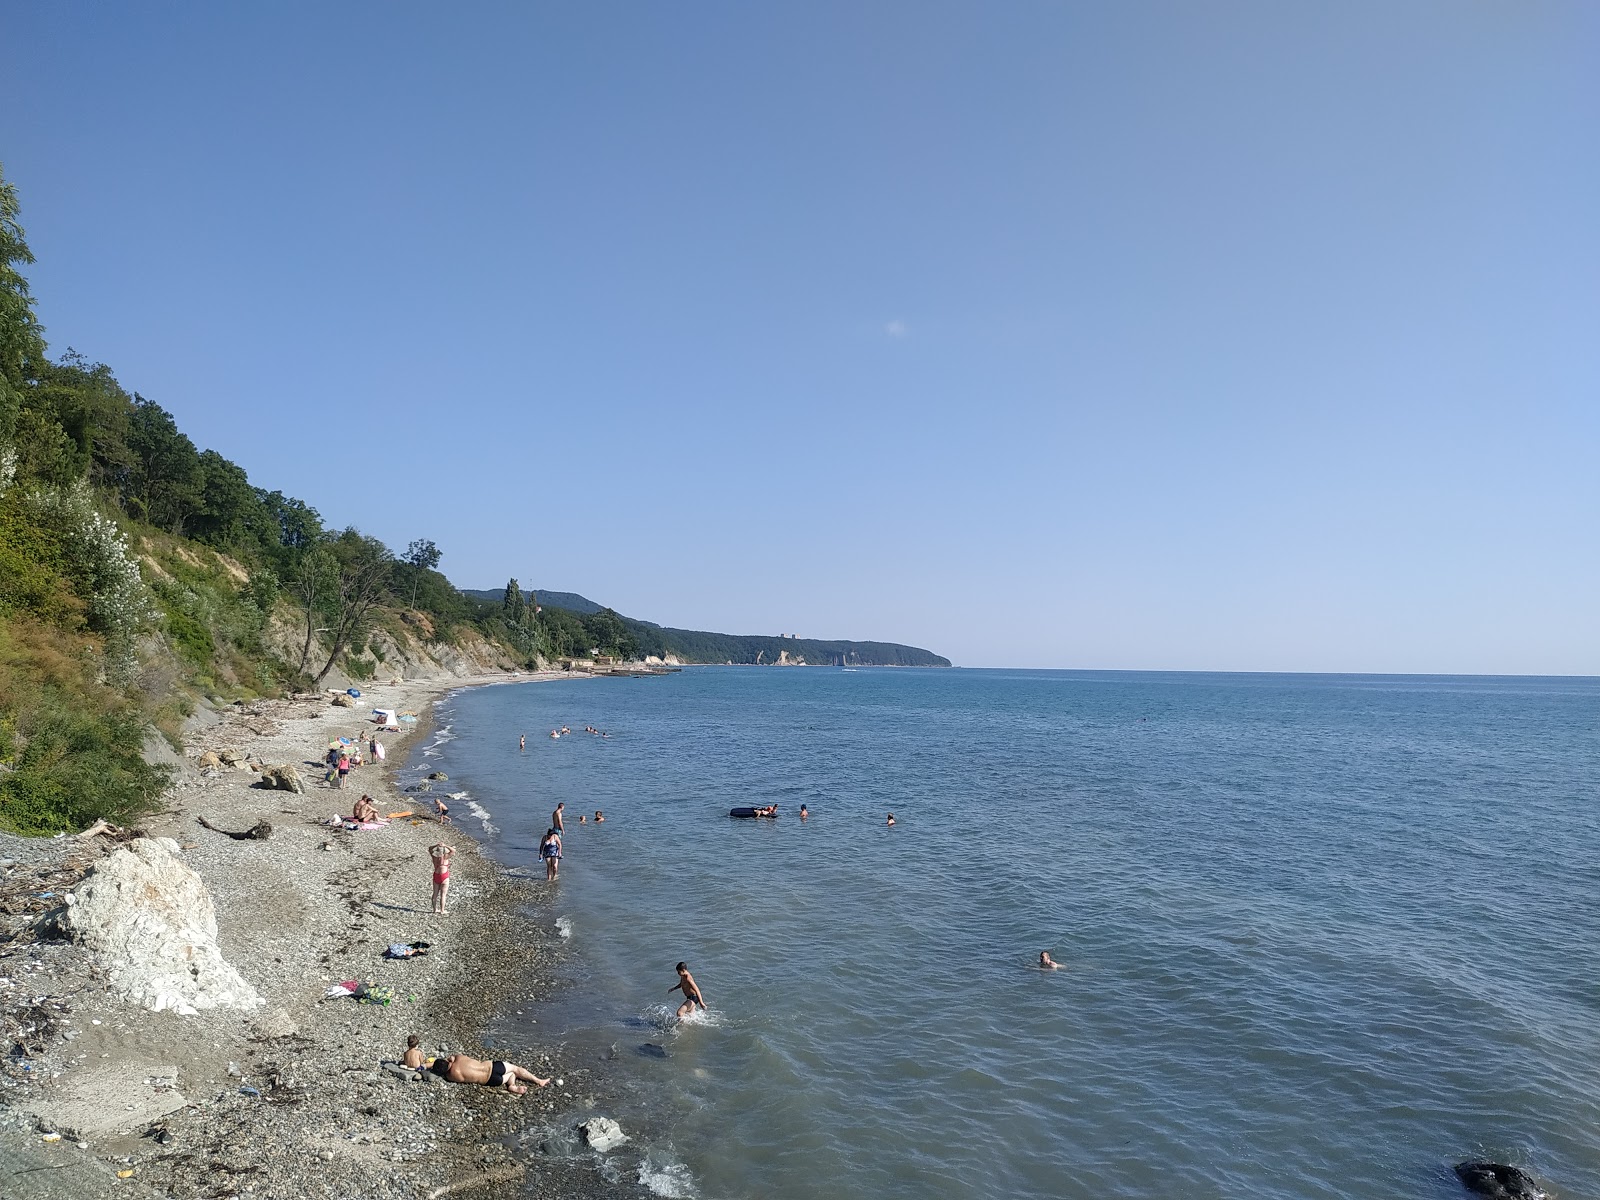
(564, 926)
(709, 1017)
(664, 1177)
(483, 815)
(459, 795)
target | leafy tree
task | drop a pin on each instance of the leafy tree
(167, 481)
(364, 567)
(513, 606)
(290, 527)
(21, 336)
(608, 634)
(228, 507)
(421, 555)
(315, 583)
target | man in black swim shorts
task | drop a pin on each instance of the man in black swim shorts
(461, 1068)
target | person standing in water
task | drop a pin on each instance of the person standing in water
(691, 992)
(550, 851)
(555, 818)
(803, 813)
(522, 741)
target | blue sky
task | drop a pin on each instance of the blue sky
(1230, 336)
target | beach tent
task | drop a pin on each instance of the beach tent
(385, 717)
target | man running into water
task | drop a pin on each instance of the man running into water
(460, 1068)
(440, 853)
(691, 992)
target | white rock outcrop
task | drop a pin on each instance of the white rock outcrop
(150, 919)
(602, 1133)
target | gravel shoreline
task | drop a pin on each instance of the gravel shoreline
(164, 1096)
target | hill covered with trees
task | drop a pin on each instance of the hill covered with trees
(140, 574)
(576, 626)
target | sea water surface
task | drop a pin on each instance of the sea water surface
(1321, 935)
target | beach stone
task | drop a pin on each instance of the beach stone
(602, 1133)
(1498, 1181)
(438, 775)
(275, 1023)
(283, 777)
(209, 759)
(150, 919)
(343, 701)
(231, 758)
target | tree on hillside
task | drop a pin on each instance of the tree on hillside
(365, 564)
(421, 555)
(167, 481)
(21, 336)
(513, 604)
(315, 583)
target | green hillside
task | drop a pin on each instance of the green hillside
(140, 575)
(697, 646)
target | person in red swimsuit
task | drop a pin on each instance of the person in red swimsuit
(440, 853)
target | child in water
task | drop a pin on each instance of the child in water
(691, 992)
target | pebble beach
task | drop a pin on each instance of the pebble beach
(291, 1099)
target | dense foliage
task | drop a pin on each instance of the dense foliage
(137, 569)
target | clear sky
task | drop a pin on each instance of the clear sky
(1251, 336)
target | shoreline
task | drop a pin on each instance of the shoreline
(311, 905)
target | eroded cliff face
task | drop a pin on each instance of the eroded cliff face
(416, 652)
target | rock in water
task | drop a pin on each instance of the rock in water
(1498, 1181)
(602, 1133)
(150, 919)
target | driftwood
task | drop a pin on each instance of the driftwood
(259, 832)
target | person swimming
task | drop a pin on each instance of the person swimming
(803, 812)
(891, 819)
(1047, 963)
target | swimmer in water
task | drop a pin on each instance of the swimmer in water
(599, 816)
(522, 741)
(1046, 963)
(803, 813)
(891, 819)
(691, 992)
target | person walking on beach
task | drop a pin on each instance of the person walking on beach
(550, 851)
(556, 822)
(440, 854)
(691, 992)
(342, 766)
(441, 810)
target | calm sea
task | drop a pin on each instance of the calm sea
(1321, 935)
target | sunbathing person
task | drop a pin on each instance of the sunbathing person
(365, 809)
(460, 1068)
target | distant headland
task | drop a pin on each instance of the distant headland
(565, 612)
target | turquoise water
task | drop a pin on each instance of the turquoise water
(1322, 935)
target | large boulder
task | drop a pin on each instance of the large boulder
(602, 1133)
(150, 919)
(343, 701)
(283, 777)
